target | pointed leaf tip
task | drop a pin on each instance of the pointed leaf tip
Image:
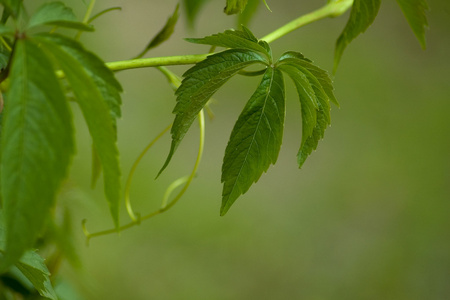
(362, 15)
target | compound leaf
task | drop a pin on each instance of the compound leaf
(57, 14)
(164, 34)
(362, 15)
(200, 84)
(414, 11)
(235, 6)
(242, 39)
(37, 144)
(255, 140)
(68, 54)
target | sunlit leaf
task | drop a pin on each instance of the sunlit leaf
(362, 15)
(200, 83)
(57, 14)
(235, 6)
(68, 54)
(33, 267)
(315, 91)
(36, 146)
(255, 140)
(164, 34)
(414, 11)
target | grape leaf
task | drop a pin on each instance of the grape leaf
(164, 34)
(242, 39)
(57, 14)
(37, 145)
(68, 54)
(200, 84)
(414, 11)
(362, 15)
(255, 140)
(235, 6)
(315, 91)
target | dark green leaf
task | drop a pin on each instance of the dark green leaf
(245, 17)
(103, 77)
(200, 83)
(68, 54)
(96, 167)
(164, 34)
(12, 7)
(414, 11)
(235, 6)
(242, 39)
(6, 30)
(192, 8)
(33, 267)
(57, 14)
(307, 76)
(37, 144)
(362, 15)
(255, 140)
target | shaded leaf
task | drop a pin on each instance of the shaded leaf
(242, 39)
(235, 6)
(200, 83)
(362, 15)
(91, 97)
(164, 34)
(255, 140)
(414, 11)
(37, 145)
(12, 7)
(57, 14)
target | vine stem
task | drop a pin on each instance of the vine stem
(334, 8)
(164, 207)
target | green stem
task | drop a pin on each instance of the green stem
(87, 15)
(332, 9)
(156, 62)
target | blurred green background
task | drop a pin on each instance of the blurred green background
(367, 217)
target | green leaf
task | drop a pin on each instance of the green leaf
(57, 14)
(37, 145)
(6, 30)
(255, 140)
(91, 82)
(315, 91)
(362, 15)
(12, 7)
(192, 9)
(235, 6)
(245, 17)
(164, 34)
(414, 11)
(200, 84)
(33, 267)
(242, 39)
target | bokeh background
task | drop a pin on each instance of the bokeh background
(367, 217)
